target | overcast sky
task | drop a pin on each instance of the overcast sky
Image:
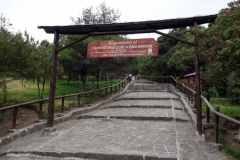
(29, 14)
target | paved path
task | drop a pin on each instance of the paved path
(142, 124)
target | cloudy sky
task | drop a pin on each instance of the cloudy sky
(29, 14)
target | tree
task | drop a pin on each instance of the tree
(43, 69)
(74, 59)
(16, 53)
(219, 44)
(168, 61)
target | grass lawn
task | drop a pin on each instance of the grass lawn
(29, 92)
(227, 107)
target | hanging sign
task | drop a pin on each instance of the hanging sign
(123, 48)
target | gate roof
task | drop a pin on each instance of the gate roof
(130, 26)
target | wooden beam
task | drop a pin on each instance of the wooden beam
(175, 38)
(107, 33)
(70, 44)
(122, 32)
(53, 81)
(197, 85)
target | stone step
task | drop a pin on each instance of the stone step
(138, 106)
(132, 118)
(39, 155)
(153, 90)
(152, 98)
(145, 104)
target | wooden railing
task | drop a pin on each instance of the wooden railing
(184, 89)
(41, 100)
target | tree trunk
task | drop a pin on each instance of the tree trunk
(83, 80)
(79, 80)
(99, 80)
(69, 79)
(87, 81)
(108, 79)
(38, 82)
(4, 89)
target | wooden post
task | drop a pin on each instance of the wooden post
(79, 99)
(119, 86)
(53, 81)
(40, 109)
(207, 110)
(188, 95)
(15, 116)
(216, 125)
(122, 85)
(106, 92)
(62, 104)
(92, 97)
(197, 84)
(115, 87)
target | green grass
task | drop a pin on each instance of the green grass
(227, 107)
(17, 92)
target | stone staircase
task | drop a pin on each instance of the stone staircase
(148, 122)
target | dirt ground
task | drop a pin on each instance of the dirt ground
(229, 133)
(28, 116)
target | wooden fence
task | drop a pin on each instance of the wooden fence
(41, 100)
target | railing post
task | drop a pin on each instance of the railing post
(216, 125)
(79, 100)
(207, 110)
(92, 97)
(119, 86)
(122, 85)
(15, 116)
(62, 104)
(115, 87)
(40, 109)
(188, 94)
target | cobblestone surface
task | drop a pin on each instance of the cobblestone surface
(133, 112)
(121, 139)
(147, 103)
(149, 95)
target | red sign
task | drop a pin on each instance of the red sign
(191, 80)
(123, 48)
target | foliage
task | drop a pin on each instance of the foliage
(219, 44)
(174, 58)
(16, 54)
(233, 85)
(74, 59)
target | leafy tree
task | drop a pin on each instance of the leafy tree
(16, 53)
(174, 58)
(43, 68)
(219, 44)
(74, 60)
